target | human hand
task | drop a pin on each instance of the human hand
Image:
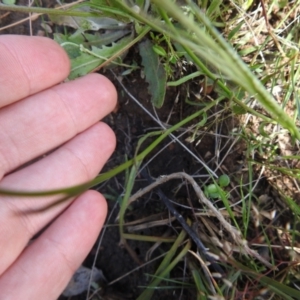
(38, 115)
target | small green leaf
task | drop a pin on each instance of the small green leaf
(106, 20)
(224, 180)
(84, 60)
(214, 195)
(211, 191)
(9, 2)
(235, 30)
(154, 72)
(214, 9)
(238, 110)
(212, 188)
(173, 60)
(261, 129)
(159, 50)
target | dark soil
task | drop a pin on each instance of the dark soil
(130, 123)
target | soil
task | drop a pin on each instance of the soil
(130, 123)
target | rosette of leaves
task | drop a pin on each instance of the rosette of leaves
(92, 41)
(214, 190)
(104, 37)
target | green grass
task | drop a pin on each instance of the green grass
(254, 70)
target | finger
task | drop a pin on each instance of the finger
(29, 65)
(76, 162)
(46, 266)
(48, 119)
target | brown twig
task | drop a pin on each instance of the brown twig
(235, 234)
(270, 29)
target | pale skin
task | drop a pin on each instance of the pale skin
(38, 114)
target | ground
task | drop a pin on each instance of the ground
(130, 123)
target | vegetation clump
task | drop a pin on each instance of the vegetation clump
(223, 80)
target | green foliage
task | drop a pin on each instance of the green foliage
(83, 60)
(224, 180)
(87, 51)
(9, 2)
(186, 34)
(214, 190)
(159, 50)
(166, 265)
(154, 72)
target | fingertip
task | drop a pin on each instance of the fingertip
(96, 204)
(111, 89)
(29, 65)
(103, 88)
(55, 255)
(110, 137)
